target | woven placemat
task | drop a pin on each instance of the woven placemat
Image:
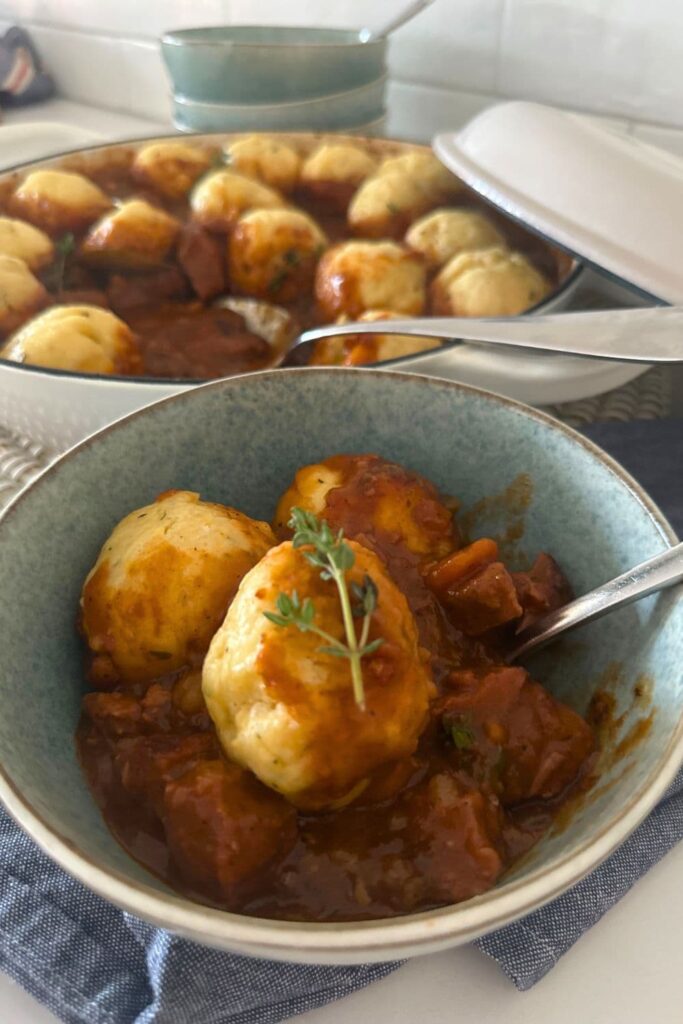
(647, 398)
(21, 460)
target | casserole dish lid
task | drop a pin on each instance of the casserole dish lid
(607, 198)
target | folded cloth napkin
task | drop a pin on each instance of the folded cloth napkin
(22, 76)
(92, 964)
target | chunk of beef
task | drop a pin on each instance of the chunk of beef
(202, 257)
(483, 601)
(83, 297)
(139, 290)
(506, 730)
(543, 589)
(223, 826)
(188, 340)
(457, 834)
(157, 708)
(114, 714)
(146, 764)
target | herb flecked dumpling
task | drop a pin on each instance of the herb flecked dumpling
(162, 582)
(272, 254)
(286, 709)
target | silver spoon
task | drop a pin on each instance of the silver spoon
(653, 334)
(370, 35)
(662, 571)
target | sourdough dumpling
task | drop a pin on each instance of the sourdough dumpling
(21, 294)
(25, 242)
(404, 188)
(444, 233)
(171, 168)
(435, 180)
(398, 505)
(268, 160)
(162, 583)
(286, 710)
(272, 254)
(360, 349)
(220, 198)
(84, 339)
(488, 282)
(223, 827)
(135, 236)
(353, 277)
(386, 205)
(59, 201)
(335, 170)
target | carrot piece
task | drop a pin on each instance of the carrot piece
(462, 563)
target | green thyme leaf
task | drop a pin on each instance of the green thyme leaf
(278, 280)
(66, 244)
(372, 646)
(330, 553)
(279, 620)
(461, 734)
(336, 652)
(64, 250)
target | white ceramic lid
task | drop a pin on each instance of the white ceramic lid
(608, 198)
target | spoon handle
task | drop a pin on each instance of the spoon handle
(664, 570)
(653, 334)
(396, 20)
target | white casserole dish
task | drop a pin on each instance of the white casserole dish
(59, 408)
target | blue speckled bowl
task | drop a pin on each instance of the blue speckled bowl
(240, 441)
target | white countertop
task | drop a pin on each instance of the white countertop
(110, 124)
(627, 970)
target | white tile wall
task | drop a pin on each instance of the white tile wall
(418, 111)
(611, 56)
(148, 85)
(454, 43)
(92, 72)
(665, 138)
(621, 59)
(137, 18)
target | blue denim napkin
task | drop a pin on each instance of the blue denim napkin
(92, 964)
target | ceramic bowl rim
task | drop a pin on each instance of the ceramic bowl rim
(384, 938)
(181, 38)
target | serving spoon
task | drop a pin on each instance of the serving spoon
(664, 570)
(371, 35)
(653, 334)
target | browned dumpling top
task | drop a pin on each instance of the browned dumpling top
(59, 201)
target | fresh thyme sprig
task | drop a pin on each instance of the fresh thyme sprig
(64, 250)
(329, 552)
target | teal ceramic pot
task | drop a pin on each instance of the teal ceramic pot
(340, 110)
(240, 441)
(268, 64)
